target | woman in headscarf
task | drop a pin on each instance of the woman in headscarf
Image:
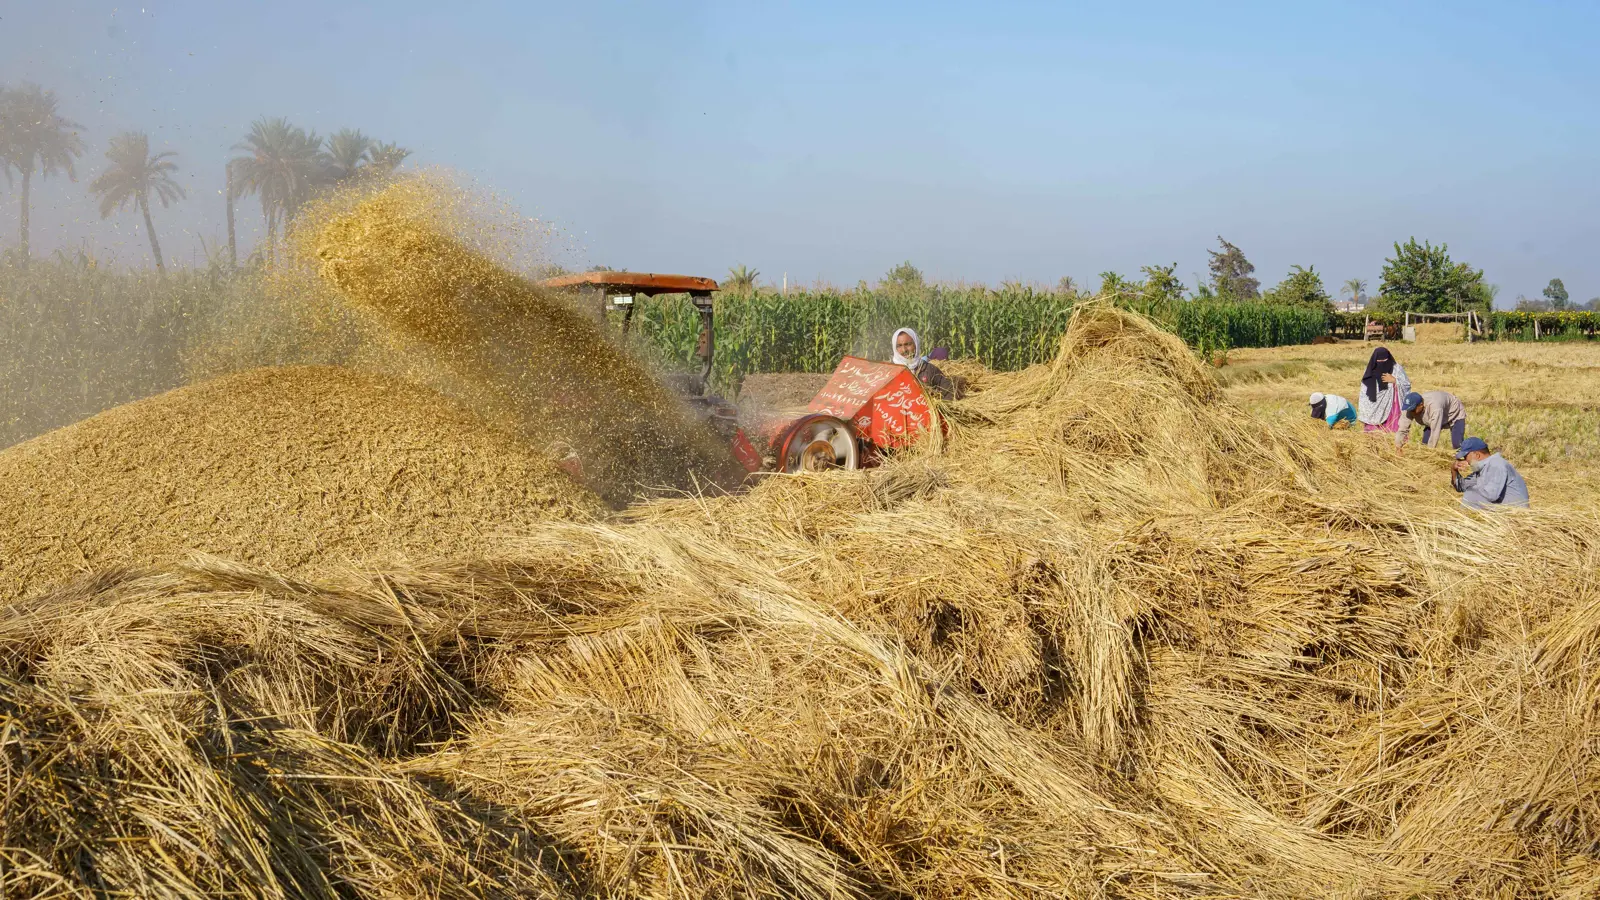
(1383, 386)
(908, 352)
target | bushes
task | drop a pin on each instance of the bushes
(76, 339)
(1518, 325)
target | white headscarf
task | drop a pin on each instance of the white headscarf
(1317, 398)
(916, 344)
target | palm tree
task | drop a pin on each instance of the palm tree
(281, 167)
(134, 174)
(1356, 288)
(34, 137)
(387, 157)
(740, 278)
(229, 169)
(348, 151)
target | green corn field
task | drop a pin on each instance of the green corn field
(1006, 330)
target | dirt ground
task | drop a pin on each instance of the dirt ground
(1539, 404)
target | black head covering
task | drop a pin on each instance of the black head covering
(1380, 364)
(1319, 410)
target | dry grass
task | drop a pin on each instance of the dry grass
(1535, 402)
(1116, 637)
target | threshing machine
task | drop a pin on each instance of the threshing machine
(865, 408)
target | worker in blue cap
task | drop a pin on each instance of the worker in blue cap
(1485, 479)
(1437, 412)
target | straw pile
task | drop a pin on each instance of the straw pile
(296, 469)
(529, 360)
(1114, 638)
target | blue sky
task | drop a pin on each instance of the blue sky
(832, 140)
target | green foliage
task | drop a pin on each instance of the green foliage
(1231, 273)
(741, 278)
(76, 339)
(1006, 329)
(35, 138)
(133, 176)
(1556, 293)
(1422, 278)
(904, 276)
(1161, 285)
(1302, 288)
(1554, 325)
(1355, 289)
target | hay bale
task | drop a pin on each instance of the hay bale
(296, 469)
(1439, 332)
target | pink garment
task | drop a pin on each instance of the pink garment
(1393, 422)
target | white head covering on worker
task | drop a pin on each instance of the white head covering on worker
(916, 358)
(934, 380)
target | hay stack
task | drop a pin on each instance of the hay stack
(295, 469)
(529, 360)
(1113, 639)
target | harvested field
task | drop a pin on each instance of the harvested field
(294, 469)
(1116, 637)
(1538, 403)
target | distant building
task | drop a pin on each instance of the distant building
(1349, 306)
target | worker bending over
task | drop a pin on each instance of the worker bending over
(1484, 480)
(1435, 411)
(1333, 409)
(908, 353)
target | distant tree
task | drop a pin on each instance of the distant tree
(386, 157)
(282, 165)
(1593, 305)
(34, 137)
(1422, 278)
(348, 152)
(1112, 284)
(1483, 296)
(904, 275)
(1355, 289)
(1556, 293)
(1303, 287)
(1204, 292)
(1231, 273)
(740, 278)
(1525, 304)
(601, 269)
(133, 176)
(1160, 284)
(1066, 285)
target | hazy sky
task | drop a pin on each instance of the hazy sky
(982, 141)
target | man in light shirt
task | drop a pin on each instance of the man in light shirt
(1485, 480)
(1435, 411)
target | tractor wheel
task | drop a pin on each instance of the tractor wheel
(818, 443)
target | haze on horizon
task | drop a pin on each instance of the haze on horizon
(830, 141)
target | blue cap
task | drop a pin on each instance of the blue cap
(1412, 401)
(1471, 444)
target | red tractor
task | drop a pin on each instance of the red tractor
(865, 408)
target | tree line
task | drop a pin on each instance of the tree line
(1419, 278)
(281, 164)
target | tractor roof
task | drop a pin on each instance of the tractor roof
(646, 283)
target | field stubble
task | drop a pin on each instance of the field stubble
(1538, 403)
